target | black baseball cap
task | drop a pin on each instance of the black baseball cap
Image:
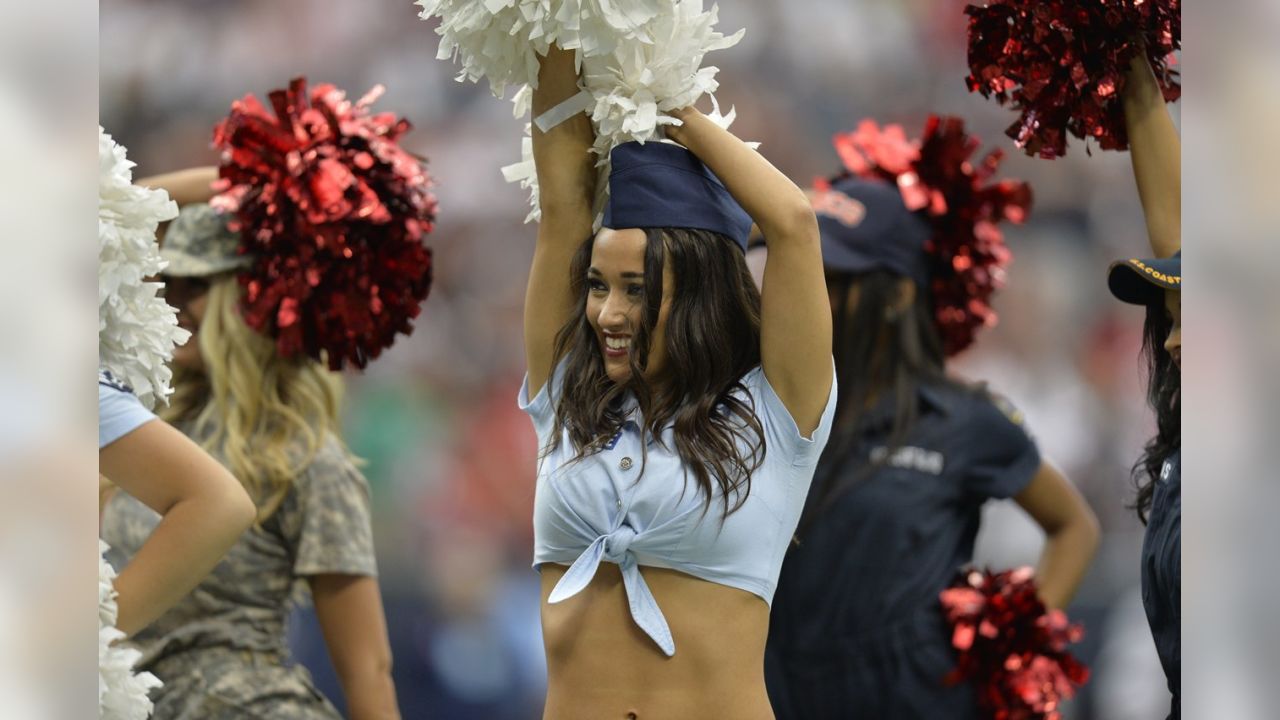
(1142, 281)
(866, 226)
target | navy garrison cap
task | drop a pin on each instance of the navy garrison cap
(865, 226)
(1143, 281)
(659, 185)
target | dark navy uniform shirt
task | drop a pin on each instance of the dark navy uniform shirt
(856, 618)
(1162, 574)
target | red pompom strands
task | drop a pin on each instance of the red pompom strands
(938, 177)
(334, 213)
(1062, 65)
(1010, 647)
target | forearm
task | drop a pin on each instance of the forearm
(349, 608)
(189, 541)
(1064, 561)
(1156, 153)
(562, 155)
(371, 695)
(191, 185)
(779, 208)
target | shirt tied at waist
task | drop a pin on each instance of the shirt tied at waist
(615, 547)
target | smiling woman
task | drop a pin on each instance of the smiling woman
(615, 301)
(679, 412)
(678, 355)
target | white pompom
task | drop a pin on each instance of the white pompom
(498, 40)
(137, 329)
(640, 59)
(599, 27)
(122, 694)
(638, 83)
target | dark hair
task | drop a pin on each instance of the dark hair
(1164, 394)
(712, 340)
(878, 352)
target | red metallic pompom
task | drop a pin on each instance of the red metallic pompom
(1010, 647)
(938, 177)
(1062, 65)
(334, 213)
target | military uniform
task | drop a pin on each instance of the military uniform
(221, 652)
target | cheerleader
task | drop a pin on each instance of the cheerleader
(200, 508)
(857, 629)
(273, 421)
(680, 413)
(1156, 283)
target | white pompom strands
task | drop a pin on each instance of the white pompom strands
(137, 329)
(122, 694)
(640, 60)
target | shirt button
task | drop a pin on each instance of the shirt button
(626, 463)
(619, 504)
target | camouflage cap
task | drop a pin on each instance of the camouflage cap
(199, 244)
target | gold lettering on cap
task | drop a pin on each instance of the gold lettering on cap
(1159, 276)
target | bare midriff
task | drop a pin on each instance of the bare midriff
(602, 666)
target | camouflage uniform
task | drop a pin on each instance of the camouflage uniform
(221, 652)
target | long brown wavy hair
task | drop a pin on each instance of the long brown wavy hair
(712, 340)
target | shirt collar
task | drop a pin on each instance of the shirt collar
(635, 419)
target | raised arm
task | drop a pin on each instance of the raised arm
(205, 511)
(1156, 153)
(191, 185)
(795, 333)
(566, 188)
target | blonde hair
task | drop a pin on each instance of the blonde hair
(265, 415)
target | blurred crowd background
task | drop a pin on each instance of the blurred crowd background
(451, 458)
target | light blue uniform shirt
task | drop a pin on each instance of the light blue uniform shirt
(600, 508)
(119, 411)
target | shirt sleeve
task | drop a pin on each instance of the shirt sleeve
(119, 413)
(780, 429)
(326, 519)
(542, 407)
(1005, 457)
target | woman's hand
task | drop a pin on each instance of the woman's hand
(684, 115)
